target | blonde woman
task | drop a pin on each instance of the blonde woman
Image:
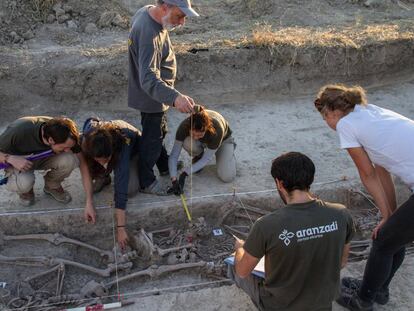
(381, 143)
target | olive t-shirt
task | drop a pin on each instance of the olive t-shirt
(23, 136)
(303, 246)
(212, 141)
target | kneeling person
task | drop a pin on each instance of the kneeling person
(304, 244)
(204, 134)
(112, 146)
(33, 135)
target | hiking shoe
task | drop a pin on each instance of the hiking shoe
(27, 199)
(100, 183)
(382, 296)
(155, 188)
(351, 301)
(59, 194)
(180, 165)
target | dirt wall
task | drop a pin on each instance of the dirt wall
(67, 80)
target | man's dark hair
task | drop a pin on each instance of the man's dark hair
(295, 170)
(60, 129)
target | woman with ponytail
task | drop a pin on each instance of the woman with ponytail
(381, 143)
(112, 146)
(204, 134)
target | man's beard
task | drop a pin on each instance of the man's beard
(282, 196)
(166, 23)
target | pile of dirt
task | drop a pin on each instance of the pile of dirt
(21, 19)
(258, 8)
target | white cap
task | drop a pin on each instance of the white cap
(184, 6)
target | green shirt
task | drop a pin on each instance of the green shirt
(23, 136)
(212, 141)
(303, 246)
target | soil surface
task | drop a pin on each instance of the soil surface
(259, 63)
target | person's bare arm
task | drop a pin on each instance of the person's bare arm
(89, 213)
(345, 254)
(372, 183)
(388, 186)
(243, 261)
(121, 233)
(18, 162)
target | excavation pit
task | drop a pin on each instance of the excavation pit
(172, 254)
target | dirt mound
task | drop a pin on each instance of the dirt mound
(20, 19)
(314, 12)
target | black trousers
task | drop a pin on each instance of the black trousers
(388, 250)
(152, 149)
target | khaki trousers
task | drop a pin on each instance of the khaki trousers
(58, 168)
(225, 158)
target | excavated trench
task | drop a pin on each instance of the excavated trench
(50, 270)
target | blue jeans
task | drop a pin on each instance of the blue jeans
(152, 149)
(388, 250)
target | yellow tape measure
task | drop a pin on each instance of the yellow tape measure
(183, 200)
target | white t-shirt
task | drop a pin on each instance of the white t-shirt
(386, 136)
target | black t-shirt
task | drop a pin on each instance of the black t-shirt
(303, 246)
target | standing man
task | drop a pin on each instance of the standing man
(152, 73)
(304, 244)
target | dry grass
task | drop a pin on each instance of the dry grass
(42, 7)
(109, 52)
(355, 37)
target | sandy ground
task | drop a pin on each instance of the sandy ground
(262, 130)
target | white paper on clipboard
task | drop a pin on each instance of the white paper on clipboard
(258, 271)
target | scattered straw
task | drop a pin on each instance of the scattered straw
(42, 7)
(109, 52)
(265, 36)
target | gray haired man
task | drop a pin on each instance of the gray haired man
(152, 73)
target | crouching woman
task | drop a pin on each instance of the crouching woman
(112, 146)
(204, 134)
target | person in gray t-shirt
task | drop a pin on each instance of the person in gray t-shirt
(152, 73)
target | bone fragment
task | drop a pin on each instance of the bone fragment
(51, 261)
(163, 252)
(58, 239)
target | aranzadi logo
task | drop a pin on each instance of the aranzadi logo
(285, 236)
(308, 233)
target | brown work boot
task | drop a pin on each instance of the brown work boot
(58, 194)
(101, 182)
(27, 199)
